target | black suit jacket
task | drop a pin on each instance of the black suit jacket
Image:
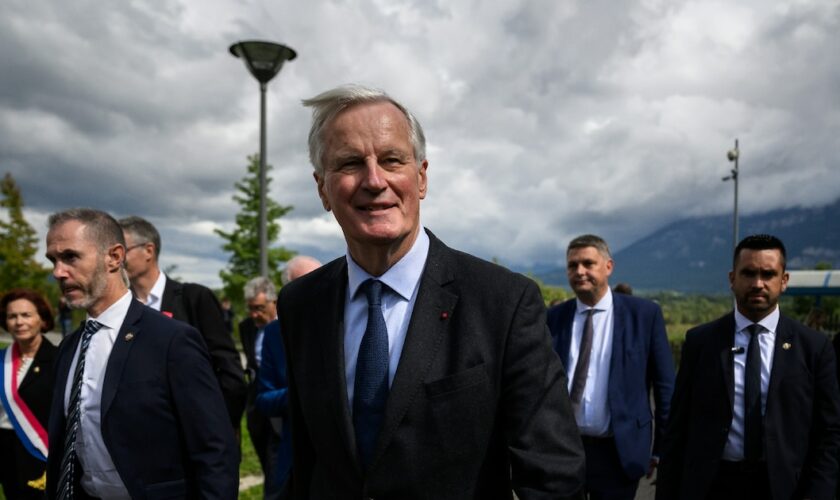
(478, 405)
(196, 305)
(801, 421)
(163, 417)
(36, 388)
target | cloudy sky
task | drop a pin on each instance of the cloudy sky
(545, 118)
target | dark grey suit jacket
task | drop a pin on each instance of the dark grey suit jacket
(478, 405)
(801, 420)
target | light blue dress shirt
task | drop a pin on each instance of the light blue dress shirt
(734, 449)
(593, 413)
(403, 280)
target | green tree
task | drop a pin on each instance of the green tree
(243, 242)
(18, 245)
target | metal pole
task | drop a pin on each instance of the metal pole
(262, 229)
(735, 178)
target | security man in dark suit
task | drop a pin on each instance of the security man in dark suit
(415, 371)
(136, 411)
(191, 303)
(756, 409)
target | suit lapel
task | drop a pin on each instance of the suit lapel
(67, 351)
(620, 322)
(783, 351)
(725, 342)
(172, 302)
(331, 325)
(426, 330)
(564, 340)
(33, 373)
(119, 354)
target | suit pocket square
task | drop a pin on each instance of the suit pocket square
(457, 381)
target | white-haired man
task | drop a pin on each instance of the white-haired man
(415, 371)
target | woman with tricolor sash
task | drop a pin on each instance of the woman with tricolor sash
(26, 387)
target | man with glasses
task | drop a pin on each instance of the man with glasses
(260, 294)
(188, 302)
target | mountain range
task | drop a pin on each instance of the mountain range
(694, 255)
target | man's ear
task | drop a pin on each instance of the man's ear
(319, 181)
(424, 180)
(115, 258)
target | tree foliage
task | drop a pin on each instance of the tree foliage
(18, 245)
(243, 242)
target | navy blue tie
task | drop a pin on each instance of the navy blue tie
(370, 390)
(753, 422)
(67, 479)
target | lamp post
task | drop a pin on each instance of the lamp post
(732, 155)
(263, 60)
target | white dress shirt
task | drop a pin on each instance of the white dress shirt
(593, 413)
(403, 280)
(155, 297)
(734, 449)
(100, 478)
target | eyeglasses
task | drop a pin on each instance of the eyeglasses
(132, 247)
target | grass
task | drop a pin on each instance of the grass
(249, 466)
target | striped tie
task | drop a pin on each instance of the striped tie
(67, 479)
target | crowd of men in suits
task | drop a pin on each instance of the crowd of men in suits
(406, 369)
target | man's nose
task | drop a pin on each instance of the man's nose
(59, 272)
(373, 175)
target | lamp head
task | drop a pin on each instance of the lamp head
(263, 59)
(732, 154)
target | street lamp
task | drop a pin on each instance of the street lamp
(264, 60)
(732, 155)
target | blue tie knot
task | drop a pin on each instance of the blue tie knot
(373, 291)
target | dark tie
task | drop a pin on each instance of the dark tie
(370, 390)
(67, 479)
(582, 368)
(753, 424)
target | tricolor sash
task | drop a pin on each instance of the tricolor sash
(30, 432)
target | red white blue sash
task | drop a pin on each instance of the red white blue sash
(30, 432)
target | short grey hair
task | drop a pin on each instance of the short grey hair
(327, 105)
(298, 266)
(258, 285)
(100, 228)
(143, 230)
(590, 240)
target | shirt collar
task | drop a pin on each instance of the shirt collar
(769, 322)
(115, 314)
(402, 277)
(156, 293)
(605, 304)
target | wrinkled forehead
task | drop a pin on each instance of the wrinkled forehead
(67, 231)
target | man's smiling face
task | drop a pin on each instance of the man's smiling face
(371, 179)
